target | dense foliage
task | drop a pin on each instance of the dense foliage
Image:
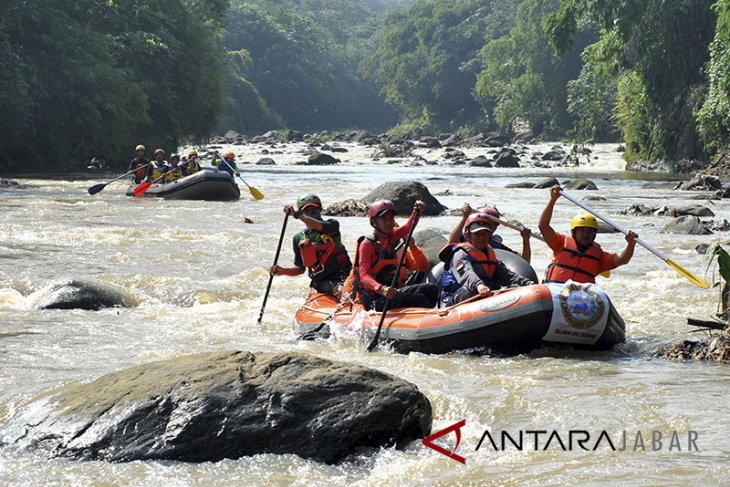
(83, 78)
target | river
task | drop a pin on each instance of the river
(198, 271)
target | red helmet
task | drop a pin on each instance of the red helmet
(481, 219)
(380, 208)
(491, 212)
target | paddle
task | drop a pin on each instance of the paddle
(98, 187)
(258, 195)
(697, 281)
(513, 227)
(396, 276)
(271, 276)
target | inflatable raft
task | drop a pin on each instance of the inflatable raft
(512, 321)
(206, 184)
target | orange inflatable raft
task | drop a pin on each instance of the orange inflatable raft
(511, 321)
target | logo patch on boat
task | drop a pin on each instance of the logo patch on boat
(582, 307)
(498, 302)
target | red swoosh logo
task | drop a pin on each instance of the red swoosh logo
(456, 427)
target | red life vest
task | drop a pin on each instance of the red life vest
(317, 253)
(571, 263)
(386, 263)
(487, 260)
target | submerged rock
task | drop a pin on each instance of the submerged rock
(226, 404)
(82, 294)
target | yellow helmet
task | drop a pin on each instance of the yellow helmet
(584, 220)
(139, 148)
(192, 153)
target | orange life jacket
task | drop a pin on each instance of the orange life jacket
(487, 260)
(571, 263)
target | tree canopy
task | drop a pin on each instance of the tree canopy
(83, 78)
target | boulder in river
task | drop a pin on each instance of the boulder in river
(225, 404)
(688, 225)
(580, 184)
(82, 294)
(404, 195)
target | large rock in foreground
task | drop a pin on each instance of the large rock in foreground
(226, 404)
(404, 194)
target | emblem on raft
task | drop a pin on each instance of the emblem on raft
(581, 307)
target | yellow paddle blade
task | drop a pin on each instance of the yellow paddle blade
(605, 274)
(258, 195)
(697, 281)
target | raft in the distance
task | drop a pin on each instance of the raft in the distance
(513, 321)
(206, 185)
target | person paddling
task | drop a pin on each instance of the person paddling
(472, 268)
(378, 257)
(157, 167)
(229, 158)
(577, 256)
(318, 248)
(457, 234)
(139, 164)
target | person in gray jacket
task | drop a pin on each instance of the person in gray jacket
(471, 268)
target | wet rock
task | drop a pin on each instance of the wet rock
(430, 142)
(525, 185)
(546, 183)
(497, 141)
(641, 209)
(480, 161)
(8, 183)
(450, 140)
(366, 138)
(266, 161)
(82, 294)
(391, 149)
(225, 404)
(404, 195)
(321, 159)
(580, 184)
(687, 225)
(431, 242)
(506, 157)
(702, 182)
(351, 207)
(553, 156)
(451, 153)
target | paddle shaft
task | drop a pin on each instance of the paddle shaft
(614, 225)
(99, 187)
(271, 276)
(396, 277)
(513, 227)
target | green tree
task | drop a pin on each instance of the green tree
(666, 45)
(714, 116)
(427, 59)
(523, 79)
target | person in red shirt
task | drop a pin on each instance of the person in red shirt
(577, 256)
(378, 258)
